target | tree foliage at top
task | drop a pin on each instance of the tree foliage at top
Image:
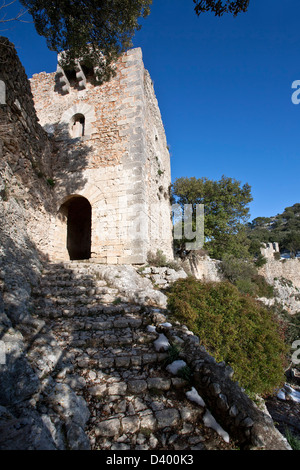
(96, 31)
(219, 7)
(283, 228)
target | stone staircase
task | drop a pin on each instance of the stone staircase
(108, 357)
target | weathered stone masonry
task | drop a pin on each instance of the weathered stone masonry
(282, 268)
(26, 200)
(112, 151)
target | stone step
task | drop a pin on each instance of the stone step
(46, 309)
(82, 269)
(134, 423)
(98, 334)
(91, 336)
(102, 323)
(125, 360)
(53, 283)
(83, 299)
(68, 265)
(68, 276)
(57, 268)
(79, 290)
(106, 353)
(135, 385)
(95, 359)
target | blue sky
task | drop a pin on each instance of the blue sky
(224, 86)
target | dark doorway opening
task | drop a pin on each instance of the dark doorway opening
(79, 228)
(77, 126)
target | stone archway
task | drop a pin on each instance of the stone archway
(77, 212)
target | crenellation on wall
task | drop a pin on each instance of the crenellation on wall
(279, 268)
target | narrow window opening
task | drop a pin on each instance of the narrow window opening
(71, 76)
(78, 126)
(88, 72)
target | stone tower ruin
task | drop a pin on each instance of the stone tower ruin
(111, 166)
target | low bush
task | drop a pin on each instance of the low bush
(160, 260)
(244, 275)
(292, 440)
(234, 328)
(260, 261)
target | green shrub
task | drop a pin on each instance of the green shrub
(173, 354)
(51, 182)
(291, 326)
(157, 259)
(264, 289)
(244, 275)
(246, 286)
(234, 328)
(185, 373)
(235, 269)
(292, 440)
(260, 261)
(4, 193)
(160, 260)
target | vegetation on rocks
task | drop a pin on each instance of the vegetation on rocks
(234, 328)
(159, 259)
(244, 275)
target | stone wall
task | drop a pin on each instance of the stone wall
(158, 175)
(26, 199)
(120, 164)
(284, 268)
(284, 275)
(203, 268)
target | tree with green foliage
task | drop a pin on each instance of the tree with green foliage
(96, 31)
(225, 213)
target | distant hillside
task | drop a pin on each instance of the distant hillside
(283, 228)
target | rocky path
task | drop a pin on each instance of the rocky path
(110, 357)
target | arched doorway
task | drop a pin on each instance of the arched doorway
(78, 212)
